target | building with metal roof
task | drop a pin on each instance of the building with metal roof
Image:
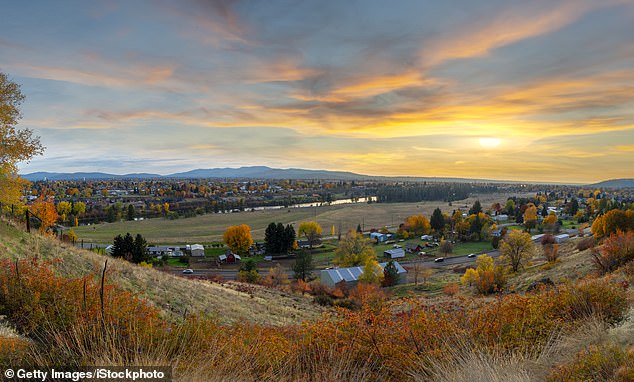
(350, 276)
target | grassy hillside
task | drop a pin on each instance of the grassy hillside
(579, 330)
(175, 296)
(210, 227)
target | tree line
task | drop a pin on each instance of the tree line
(439, 191)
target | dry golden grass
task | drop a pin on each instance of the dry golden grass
(174, 295)
(210, 227)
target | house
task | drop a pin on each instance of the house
(537, 237)
(350, 276)
(380, 237)
(501, 218)
(394, 253)
(306, 244)
(196, 250)
(413, 247)
(562, 238)
(229, 258)
(427, 237)
(159, 250)
(257, 249)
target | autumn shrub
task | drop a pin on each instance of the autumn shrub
(617, 250)
(585, 243)
(13, 350)
(520, 322)
(451, 289)
(600, 363)
(550, 248)
(486, 278)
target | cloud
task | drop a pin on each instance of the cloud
(506, 26)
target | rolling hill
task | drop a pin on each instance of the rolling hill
(615, 183)
(175, 296)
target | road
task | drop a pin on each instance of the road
(232, 274)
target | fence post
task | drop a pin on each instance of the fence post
(28, 221)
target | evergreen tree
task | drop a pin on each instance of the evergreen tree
(289, 238)
(303, 265)
(476, 226)
(476, 209)
(139, 252)
(390, 274)
(359, 230)
(437, 220)
(544, 211)
(271, 239)
(131, 212)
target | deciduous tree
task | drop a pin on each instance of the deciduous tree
(45, 210)
(372, 273)
(238, 238)
(354, 250)
(530, 217)
(311, 230)
(417, 224)
(15, 145)
(516, 248)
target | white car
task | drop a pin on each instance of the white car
(188, 271)
(471, 255)
(439, 260)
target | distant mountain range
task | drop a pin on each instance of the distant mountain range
(615, 183)
(264, 172)
(253, 172)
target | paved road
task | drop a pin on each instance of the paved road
(232, 274)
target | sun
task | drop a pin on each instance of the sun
(490, 143)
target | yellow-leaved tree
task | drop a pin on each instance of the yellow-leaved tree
(311, 231)
(486, 277)
(354, 250)
(418, 224)
(238, 238)
(15, 145)
(530, 217)
(372, 272)
(47, 213)
(516, 247)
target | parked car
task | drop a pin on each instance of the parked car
(188, 271)
(439, 260)
(471, 255)
(397, 246)
(422, 253)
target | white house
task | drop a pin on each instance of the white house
(501, 218)
(197, 250)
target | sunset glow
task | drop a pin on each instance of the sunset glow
(541, 89)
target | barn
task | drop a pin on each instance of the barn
(350, 276)
(394, 253)
(229, 258)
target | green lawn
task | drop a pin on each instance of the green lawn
(462, 249)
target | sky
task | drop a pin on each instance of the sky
(517, 90)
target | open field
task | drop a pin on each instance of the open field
(209, 228)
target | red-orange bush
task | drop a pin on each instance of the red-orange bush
(617, 251)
